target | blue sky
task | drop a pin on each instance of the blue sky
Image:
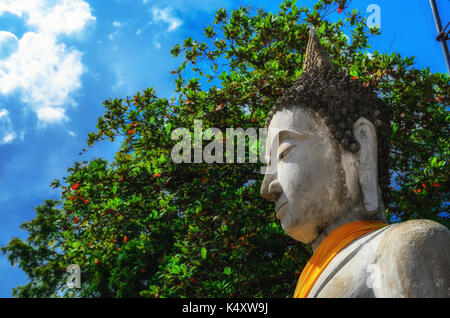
(60, 59)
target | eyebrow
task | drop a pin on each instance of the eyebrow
(289, 132)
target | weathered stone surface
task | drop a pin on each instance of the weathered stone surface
(338, 98)
(336, 172)
(401, 260)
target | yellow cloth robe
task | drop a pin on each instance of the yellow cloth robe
(328, 249)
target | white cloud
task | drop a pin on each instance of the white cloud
(143, 28)
(63, 17)
(347, 37)
(8, 44)
(192, 7)
(8, 138)
(44, 72)
(117, 25)
(39, 66)
(7, 134)
(51, 114)
(120, 81)
(165, 15)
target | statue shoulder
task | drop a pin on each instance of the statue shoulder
(414, 257)
(417, 234)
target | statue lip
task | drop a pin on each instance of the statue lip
(278, 207)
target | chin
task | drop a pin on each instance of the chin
(299, 230)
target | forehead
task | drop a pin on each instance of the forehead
(300, 119)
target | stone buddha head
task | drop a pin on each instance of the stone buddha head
(328, 145)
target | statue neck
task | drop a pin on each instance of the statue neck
(356, 214)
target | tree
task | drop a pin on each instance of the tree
(142, 225)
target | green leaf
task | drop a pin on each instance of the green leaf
(175, 269)
(203, 253)
(255, 56)
(153, 289)
(394, 128)
(433, 161)
(168, 127)
(354, 73)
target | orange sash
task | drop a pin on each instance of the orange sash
(328, 249)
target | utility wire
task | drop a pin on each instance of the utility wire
(441, 37)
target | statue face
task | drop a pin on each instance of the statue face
(308, 185)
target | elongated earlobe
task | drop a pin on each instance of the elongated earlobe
(367, 159)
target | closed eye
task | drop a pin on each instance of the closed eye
(284, 150)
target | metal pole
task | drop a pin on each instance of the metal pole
(443, 41)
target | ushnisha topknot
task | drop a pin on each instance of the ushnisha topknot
(315, 56)
(340, 101)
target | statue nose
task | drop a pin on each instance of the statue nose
(271, 188)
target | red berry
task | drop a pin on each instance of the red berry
(75, 186)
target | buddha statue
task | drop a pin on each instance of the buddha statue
(328, 145)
